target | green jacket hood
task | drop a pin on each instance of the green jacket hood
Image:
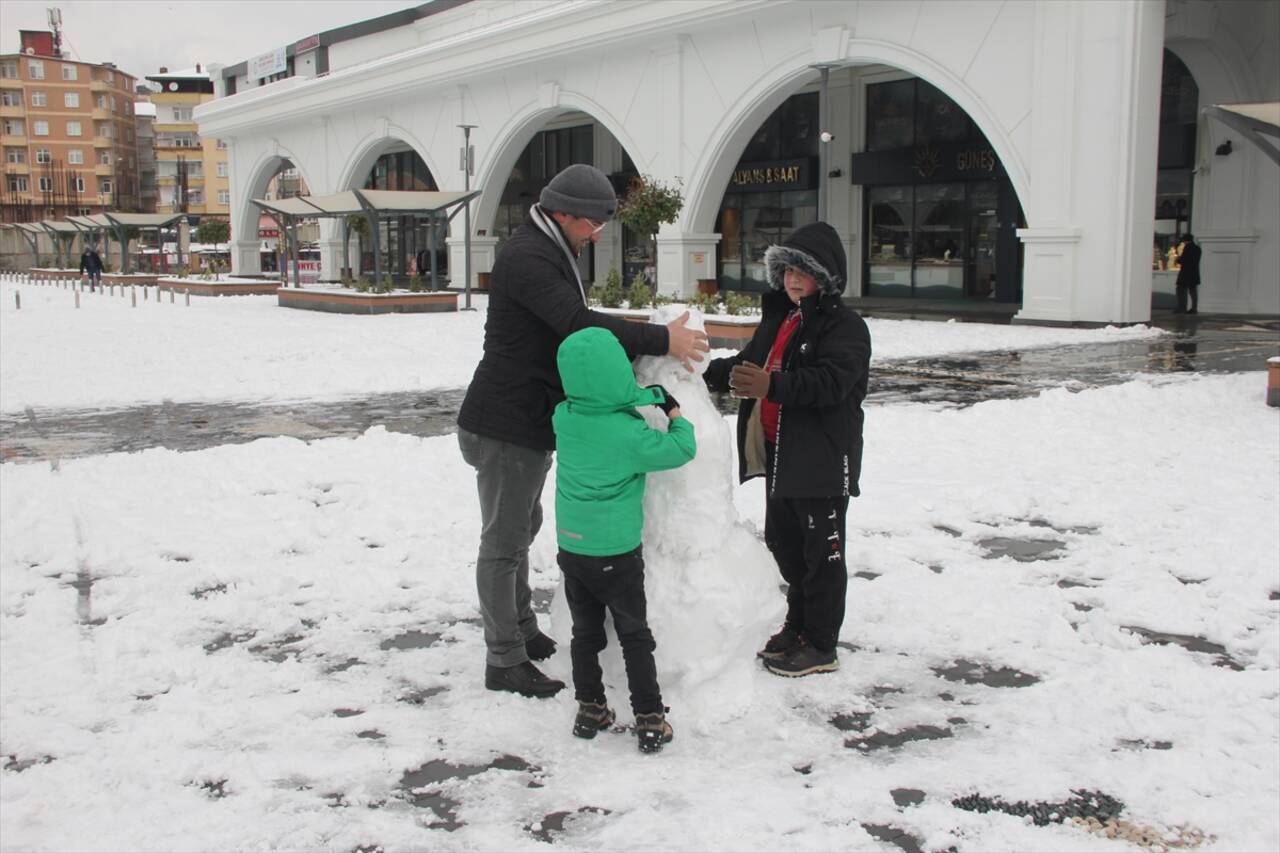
(597, 376)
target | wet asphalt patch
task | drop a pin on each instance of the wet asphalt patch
(948, 381)
(421, 788)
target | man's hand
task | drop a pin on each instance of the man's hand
(685, 344)
(749, 380)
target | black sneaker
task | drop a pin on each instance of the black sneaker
(653, 732)
(539, 647)
(524, 678)
(593, 718)
(805, 660)
(780, 644)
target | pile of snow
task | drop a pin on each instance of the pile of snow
(711, 586)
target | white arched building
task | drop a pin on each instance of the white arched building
(1066, 96)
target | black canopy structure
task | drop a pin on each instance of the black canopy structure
(31, 232)
(1252, 121)
(436, 207)
(63, 234)
(115, 222)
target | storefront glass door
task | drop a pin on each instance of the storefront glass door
(983, 229)
(940, 241)
(889, 241)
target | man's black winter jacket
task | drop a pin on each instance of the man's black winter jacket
(534, 304)
(819, 391)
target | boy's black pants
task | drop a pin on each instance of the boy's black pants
(591, 584)
(806, 538)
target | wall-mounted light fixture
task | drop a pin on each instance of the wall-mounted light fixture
(1224, 149)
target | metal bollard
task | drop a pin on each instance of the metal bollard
(188, 297)
(77, 298)
(17, 300)
(172, 296)
(134, 293)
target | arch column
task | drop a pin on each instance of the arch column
(246, 257)
(330, 245)
(683, 258)
(484, 251)
(1095, 122)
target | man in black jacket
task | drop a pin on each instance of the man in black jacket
(536, 300)
(91, 265)
(1188, 280)
(802, 380)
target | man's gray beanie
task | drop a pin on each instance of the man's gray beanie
(581, 190)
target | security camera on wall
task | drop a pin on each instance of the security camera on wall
(826, 136)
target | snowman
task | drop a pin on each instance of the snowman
(711, 585)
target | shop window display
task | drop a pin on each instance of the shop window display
(773, 192)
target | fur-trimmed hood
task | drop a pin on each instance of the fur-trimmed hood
(816, 249)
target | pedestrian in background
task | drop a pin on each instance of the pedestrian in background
(91, 266)
(1188, 280)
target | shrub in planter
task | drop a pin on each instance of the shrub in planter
(704, 302)
(640, 294)
(611, 294)
(739, 302)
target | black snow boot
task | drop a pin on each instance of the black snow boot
(653, 731)
(593, 717)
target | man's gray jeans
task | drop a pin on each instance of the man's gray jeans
(509, 479)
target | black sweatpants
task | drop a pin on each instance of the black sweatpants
(592, 584)
(806, 538)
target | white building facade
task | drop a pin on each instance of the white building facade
(1065, 97)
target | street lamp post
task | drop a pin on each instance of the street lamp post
(467, 163)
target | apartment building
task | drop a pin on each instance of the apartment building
(67, 134)
(191, 172)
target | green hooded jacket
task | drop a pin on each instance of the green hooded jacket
(604, 447)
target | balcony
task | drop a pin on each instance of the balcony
(17, 169)
(103, 142)
(99, 86)
(101, 113)
(103, 170)
(16, 111)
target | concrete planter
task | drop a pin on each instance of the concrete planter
(351, 302)
(723, 331)
(1273, 381)
(201, 287)
(145, 279)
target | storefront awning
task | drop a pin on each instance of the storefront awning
(90, 222)
(1252, 121)
(142, 220)
(391, 202)
(59, 227)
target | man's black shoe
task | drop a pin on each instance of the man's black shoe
(539, 647)
(524, 678)
(780, 644)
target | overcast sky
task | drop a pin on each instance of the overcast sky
(139, 36)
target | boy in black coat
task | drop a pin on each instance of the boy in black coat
(802, 380)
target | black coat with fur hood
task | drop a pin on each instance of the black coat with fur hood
(821, 384)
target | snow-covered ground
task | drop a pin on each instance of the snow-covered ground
(275, 645)
(109, 354)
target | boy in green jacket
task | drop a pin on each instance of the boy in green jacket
(604, 450)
